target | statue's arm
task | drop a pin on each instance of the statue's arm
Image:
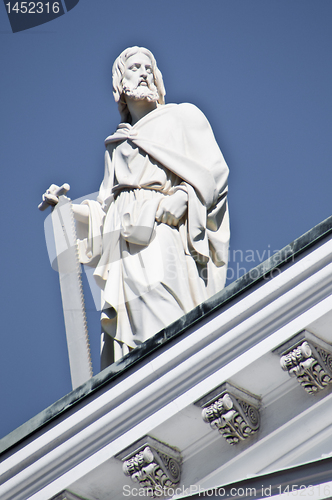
(81, 213)
(51, 198)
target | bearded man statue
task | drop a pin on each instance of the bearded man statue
(158, 233)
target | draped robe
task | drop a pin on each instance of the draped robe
(151, 273)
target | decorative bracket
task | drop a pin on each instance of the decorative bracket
(309, 359)
(231, 411)
(154, 465)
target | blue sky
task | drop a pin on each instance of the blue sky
(261, 72)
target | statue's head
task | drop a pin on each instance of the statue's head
(153, 90)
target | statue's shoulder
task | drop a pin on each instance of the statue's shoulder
(183, 109)
(187, 107)
(190, 112)
(167, 115)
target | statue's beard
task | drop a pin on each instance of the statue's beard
(142, 92)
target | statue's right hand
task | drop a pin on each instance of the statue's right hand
(51, 195)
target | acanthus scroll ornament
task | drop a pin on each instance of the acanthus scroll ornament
(310, 361)
(233, 412)
(152, 464)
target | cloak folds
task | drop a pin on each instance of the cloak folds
(151, 273)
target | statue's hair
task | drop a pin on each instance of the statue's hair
(117, 75)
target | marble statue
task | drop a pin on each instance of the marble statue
(158, 233)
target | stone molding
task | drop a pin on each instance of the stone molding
(231, 411)
(308, 359)
(154, 465)
(67, 495)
